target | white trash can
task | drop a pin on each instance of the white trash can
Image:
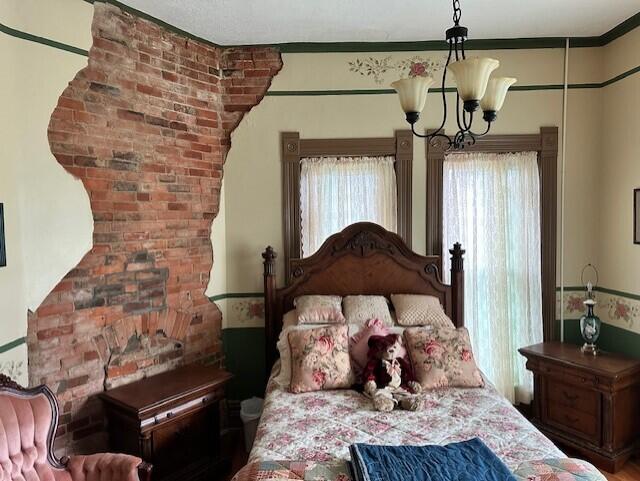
(250, 411)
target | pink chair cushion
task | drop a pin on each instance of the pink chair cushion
(104, 467)
(24, 427)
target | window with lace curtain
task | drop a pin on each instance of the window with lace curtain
(331, 183)
(338, 191)
(491, 204)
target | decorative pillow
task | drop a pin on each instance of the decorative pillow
(360, 309)
(319, 309)
(320, 359)
(419, 310)
(442, 357)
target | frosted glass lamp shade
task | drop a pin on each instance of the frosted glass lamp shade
(495, 94)
(412, 92)
(472, 76)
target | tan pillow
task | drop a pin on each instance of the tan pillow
(360, 309)
(442, 357)
(420, 310)
(320, 359)
(319, 309)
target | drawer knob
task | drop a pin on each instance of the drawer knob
(169, 415)
(570, 397)
(571, 419)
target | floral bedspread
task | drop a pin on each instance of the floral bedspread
(563, 469)
(320, 426)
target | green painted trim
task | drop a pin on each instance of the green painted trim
(623, 75)
(235, 295)
(620, 29)
(43, 41)
(628, 295)
(13, 344)
(516, 88)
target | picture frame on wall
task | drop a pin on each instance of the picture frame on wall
(636, 216)
(3, 247)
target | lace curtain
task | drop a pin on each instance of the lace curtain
(491, 204)
(338, 191)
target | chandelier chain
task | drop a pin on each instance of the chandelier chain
(457, 12)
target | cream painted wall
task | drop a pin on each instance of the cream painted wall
(253, 170)
(619, 169)
(49, 223)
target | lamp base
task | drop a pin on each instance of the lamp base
(489, 115)
(412, 117)
(471, 105)
(589, 349)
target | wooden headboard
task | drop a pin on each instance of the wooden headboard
(362, 259)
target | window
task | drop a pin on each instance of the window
(338, 191)
(336, 172)
(491, 204)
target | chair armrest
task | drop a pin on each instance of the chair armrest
(107, 467)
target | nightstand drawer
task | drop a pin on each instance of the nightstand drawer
(576, 422)
(574, 397)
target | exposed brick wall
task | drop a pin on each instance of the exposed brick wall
(146, 126)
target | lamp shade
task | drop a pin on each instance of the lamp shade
(472, 76)
(412, 92)
(496, 93)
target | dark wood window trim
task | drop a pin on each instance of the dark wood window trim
(294, 149)
(546, 144)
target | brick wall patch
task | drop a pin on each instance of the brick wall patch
(146, 127)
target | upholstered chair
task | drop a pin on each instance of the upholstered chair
(28, 423)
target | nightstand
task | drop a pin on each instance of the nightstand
(171, 420)
(588, 403)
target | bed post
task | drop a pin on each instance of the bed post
(269, 256)
(457, 283)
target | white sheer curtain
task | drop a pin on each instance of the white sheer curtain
(491, 204)
(338, 191)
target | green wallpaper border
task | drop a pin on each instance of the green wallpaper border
(12, 345)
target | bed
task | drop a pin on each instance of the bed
(306, 436)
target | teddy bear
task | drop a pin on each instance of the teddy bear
(389, 379)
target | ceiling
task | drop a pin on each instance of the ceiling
(236, 22)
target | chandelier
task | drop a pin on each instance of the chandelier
(475, 88)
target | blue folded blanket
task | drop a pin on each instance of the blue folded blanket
(465, 461)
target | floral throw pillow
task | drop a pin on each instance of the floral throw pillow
(319, 309)
(442, 357)
(419, 310)
(320, 359)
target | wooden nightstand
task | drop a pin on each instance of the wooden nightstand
(171, 420)
(588, 403)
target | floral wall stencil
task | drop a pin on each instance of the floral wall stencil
(415, 66)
